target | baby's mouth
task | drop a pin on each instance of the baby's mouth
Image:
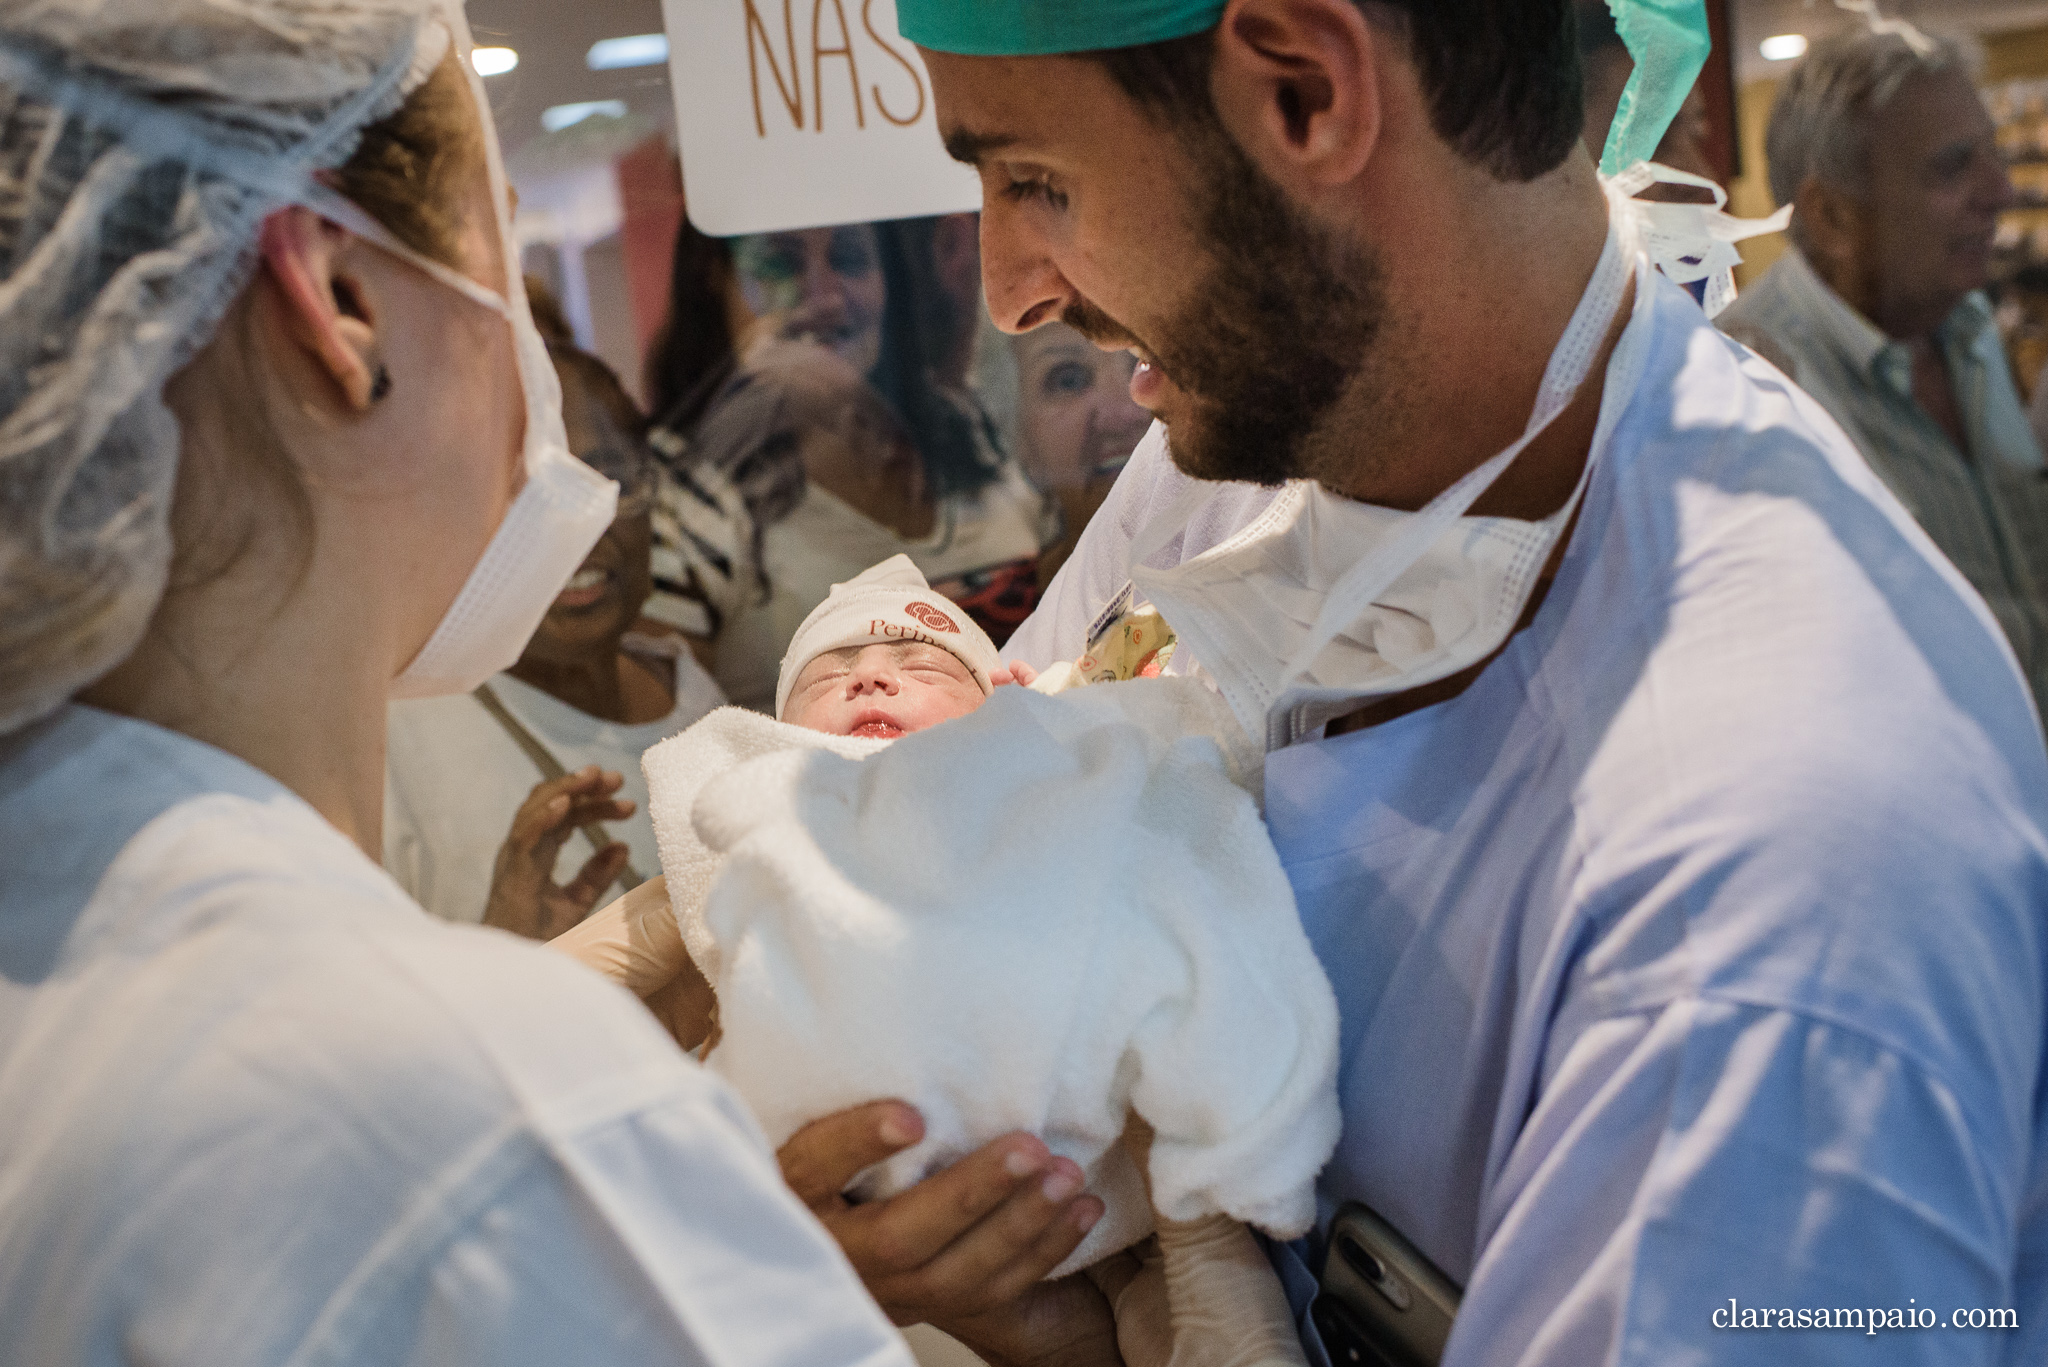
(875, 724)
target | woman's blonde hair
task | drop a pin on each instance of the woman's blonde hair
(411, 171)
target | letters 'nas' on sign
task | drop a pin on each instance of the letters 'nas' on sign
(805, 113)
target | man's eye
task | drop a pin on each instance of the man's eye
(1023, 191)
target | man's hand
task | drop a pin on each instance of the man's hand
(967, 1248)
(525, 899)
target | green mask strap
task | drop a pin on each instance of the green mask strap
(1669, 41)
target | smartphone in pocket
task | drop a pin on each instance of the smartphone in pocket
(1380, 1303)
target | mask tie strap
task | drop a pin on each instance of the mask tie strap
(344, 213)
(1691, 242)
(1570, 366)
(1167, 523)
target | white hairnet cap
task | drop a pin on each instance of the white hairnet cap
(887, 602)
(142, 142)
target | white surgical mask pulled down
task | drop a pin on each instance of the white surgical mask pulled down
(562, 508)
(1324, 602)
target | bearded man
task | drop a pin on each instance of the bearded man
(1667, 813)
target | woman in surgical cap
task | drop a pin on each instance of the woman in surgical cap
(278, 442)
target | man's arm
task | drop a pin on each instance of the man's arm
(1693, 1165)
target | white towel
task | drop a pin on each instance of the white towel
(1037, 917)
(679, 767)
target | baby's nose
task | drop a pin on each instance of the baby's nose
(876, 678)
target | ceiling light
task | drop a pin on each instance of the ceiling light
(642, 49)
(558, 117)
(1784, 47)
(493, 61)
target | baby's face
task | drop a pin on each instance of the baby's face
(883, 690)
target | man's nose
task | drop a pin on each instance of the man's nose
(1023, 286)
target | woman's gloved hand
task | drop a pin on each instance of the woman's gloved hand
(636, 943)
(1196, 1294)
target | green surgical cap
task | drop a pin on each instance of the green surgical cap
(1044, 28)
(1668, 39)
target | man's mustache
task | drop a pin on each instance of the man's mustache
(1097, 326)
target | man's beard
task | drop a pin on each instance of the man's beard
(1273, 336)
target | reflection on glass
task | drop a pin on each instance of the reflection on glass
(820, 418)
(1076, 425)
(823, 285)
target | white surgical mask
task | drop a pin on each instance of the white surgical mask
(561, 510)
(1324, 602)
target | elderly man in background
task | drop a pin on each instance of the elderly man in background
(1876, 310)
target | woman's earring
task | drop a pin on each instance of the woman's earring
(380, 383)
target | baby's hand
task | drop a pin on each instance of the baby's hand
(1015, 672)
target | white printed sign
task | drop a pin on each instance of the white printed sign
(805, 113)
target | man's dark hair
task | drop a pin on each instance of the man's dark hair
(1502, 76)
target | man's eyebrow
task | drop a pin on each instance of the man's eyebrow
(966, 145)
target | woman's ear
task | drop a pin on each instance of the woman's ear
(324, 305)
(1297, 84)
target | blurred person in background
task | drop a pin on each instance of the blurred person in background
(1076, 426)
(844, 432)
(1877, 308)
(822, 284)
(708, 317)
(462, 832)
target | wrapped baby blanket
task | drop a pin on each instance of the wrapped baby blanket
(1036, 917)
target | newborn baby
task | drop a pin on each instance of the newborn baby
(885, 656)
(1043, 915)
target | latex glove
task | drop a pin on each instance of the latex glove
(1200, 1294)
(1196, 1294)
(636, 942)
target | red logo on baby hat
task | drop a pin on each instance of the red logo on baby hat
(931, 617)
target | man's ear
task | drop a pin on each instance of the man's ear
(1832, 225)
(1297, 83)
(325, 308)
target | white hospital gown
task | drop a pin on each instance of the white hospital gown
(259, 1109)
(1698, 952)
(454, 778)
